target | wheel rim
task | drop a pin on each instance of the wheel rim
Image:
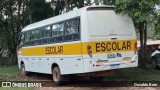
(23, 71)
(55, 76)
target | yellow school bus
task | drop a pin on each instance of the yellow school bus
(92, 39)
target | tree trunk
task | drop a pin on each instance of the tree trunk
(145, 43)
(14, 58)
(143, 40)
(141, 45)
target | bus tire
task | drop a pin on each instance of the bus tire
(57, 77)
(97, 78)
(23, 71)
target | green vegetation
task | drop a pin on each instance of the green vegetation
(16, 14)
(135, 74)
(16, 88)
(144, 14)
(9, 71)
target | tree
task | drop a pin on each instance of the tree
(62, 6)
(7, 25)
(140, 11)
(108, 2)
(39, 10)
(58, 6)
(14, 15)
(157, 27)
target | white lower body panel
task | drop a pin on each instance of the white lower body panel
(93, 66)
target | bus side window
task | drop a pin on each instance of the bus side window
(45, 34)
(27, 38)
(57, 32)
(35, 37)
(42, 32)
(72, 30)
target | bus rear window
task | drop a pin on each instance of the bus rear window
(107, 22)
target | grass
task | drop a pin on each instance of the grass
(9, 71)
(135, 74)
(16, 88)
(129, 74)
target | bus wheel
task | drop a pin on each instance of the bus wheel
(57, 77)
(97, 78)
(23, 71)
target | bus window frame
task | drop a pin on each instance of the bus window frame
(35, 41)
(45, 38)
(79, 29)
(27, 43)
(20, 40)
(51, 37)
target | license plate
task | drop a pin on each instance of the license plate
(114, 66)
(111, 55)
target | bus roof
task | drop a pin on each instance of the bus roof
(62, 17)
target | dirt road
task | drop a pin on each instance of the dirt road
(47, 81)
(98, 88)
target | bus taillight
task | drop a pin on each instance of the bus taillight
(89, 49)
(135, 47)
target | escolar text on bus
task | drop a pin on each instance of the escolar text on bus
(108, 46)
(54, 50)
